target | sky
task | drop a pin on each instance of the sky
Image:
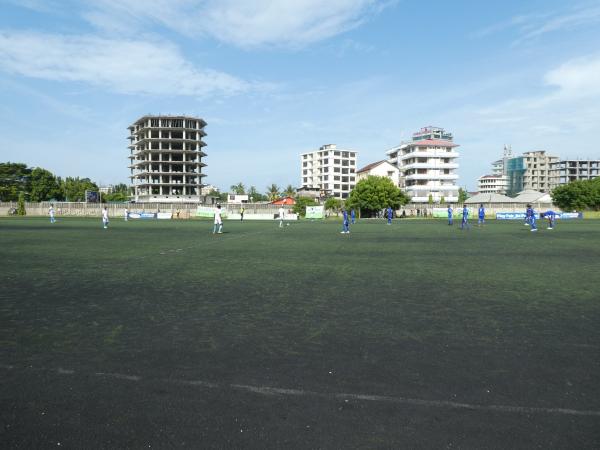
(274, 79)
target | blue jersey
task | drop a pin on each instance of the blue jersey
(481, 212)
(389, 213)
(449, 212)
(529, 212)
(550, 214)
(352, 214)
(345, 216)
(465, 213)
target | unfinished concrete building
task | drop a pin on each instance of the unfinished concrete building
(166, 158)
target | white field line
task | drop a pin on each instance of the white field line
(276, 391)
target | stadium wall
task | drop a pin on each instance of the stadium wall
(117, 210)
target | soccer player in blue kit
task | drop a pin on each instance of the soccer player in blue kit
(390, 214)
(345, 226)
(551, 216)
(465, 218)
(530, 214)
(481, 213)
(450, 221)
(353, 215)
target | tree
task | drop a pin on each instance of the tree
(255, 196)
(442, 200)
(238, 188)
(430, 199)
(14, 179)
(579, 195)
(273, 192)
(462, 195)
(301, 204)
(289, 191)
(119, 193)
(374, 194)
(222, 196)
(44, 186)
(74, 188)
(21, 204)
(333, 204)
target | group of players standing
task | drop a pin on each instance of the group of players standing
(529, 217)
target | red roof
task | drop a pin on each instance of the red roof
(284, 201)
(434, 143)
(370, 166)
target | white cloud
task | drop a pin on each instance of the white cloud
(579, 77)
(243, 23)
(121, 65)
(532, 26)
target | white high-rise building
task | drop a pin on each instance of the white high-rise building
(427, 165)
(497, 182)
(166, 158)
(329, 169)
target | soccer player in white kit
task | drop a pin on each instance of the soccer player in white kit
(126, 215)
(281, 216)
(51, 213)
(105, 217)
(218, 221)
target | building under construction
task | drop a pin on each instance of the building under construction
(166, 158)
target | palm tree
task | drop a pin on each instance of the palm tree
(273, 192)
(238, 188)
(289, 191)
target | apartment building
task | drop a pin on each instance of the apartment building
(329, 169)
(428, 165)
(567, 170)
(381, 169)
(165, 155)
(497, 181)
(537, 170)
(492, 184)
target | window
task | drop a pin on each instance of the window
(344, 170)
(336, 153)
(304, 164)
(336, 169)
(336, 178)
(336, 161)
(336, 186)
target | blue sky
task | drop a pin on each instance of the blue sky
(274, 79)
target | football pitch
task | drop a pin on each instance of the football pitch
(416, 335)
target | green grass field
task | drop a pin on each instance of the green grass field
(414, 335)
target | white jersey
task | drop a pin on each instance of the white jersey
(218, 219)
(51, 212)
(281, 213)
(105, 215)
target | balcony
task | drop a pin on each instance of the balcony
(429, 154)
(428, 176)
(430, 165)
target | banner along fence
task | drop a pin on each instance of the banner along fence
(177, 210)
